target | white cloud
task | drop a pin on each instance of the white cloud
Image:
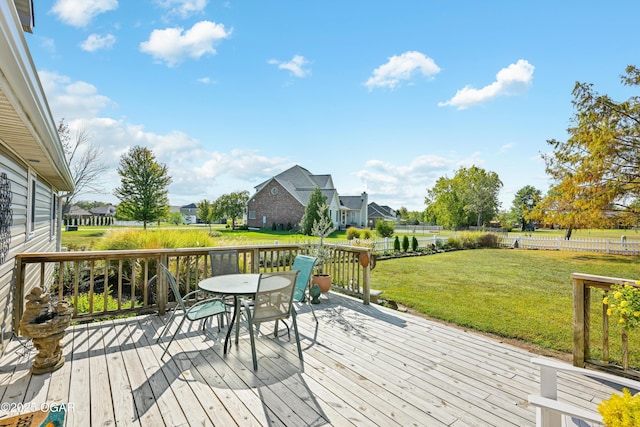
(400, 185)
(174, 45)
(400, 68)
(72, 100)
(204, 80)
(197, 172)
(513, 80)
(96, 42)
(183, 8)
(295, 66)
(79, 13)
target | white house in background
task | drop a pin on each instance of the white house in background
(33, 169)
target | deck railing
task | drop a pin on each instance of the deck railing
(582, 301)
(134, 285)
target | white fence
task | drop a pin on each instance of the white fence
(620, 246)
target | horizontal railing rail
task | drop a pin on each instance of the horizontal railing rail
(102, 284)
(582, 323)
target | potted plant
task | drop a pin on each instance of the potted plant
(322, 227)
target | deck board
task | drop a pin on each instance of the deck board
(363, 366)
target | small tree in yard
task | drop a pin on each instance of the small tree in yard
(405, 243)
(414, 244)
(83, 158)
(321, 228)
(143, 190)
(176, 218)
(396, 244)
(205, 212)
(311, 211)
(384, 228)
(232, 205)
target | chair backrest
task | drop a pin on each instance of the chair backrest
(224, 262)
(304, 264)
(174, 286)
(274, 296)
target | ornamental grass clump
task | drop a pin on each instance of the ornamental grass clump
(623, 302)
(620, 410)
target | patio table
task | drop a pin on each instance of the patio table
(237, 285)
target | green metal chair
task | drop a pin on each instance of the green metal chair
(304, 264)
(199, 311)
(224, 262)
(273, 302)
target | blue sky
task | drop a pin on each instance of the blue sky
(386, 96)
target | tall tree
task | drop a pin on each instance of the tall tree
(480, 192)
(143, 190)
(596, 171)
(83, 158)
(470, 197)
(233, 205)
(523, 203)
(312, 211)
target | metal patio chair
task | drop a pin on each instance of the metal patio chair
(201, 310)
(273, 302)
(304, 264)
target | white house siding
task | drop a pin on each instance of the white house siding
(38, 241)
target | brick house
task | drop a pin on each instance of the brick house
(281, 200)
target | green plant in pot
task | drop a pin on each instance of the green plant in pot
(321, 228)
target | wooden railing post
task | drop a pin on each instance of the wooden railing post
(578, 323)
(18, 297)
(162, 292)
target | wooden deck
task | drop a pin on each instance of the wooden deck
(364, 365)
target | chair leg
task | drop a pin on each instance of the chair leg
(172, 337)
(166, 325)
(253, 341)
(294, 323)
(312, 312)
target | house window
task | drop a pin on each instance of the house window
(252, 214)
(31, 204)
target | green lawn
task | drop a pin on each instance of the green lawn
(524, 295)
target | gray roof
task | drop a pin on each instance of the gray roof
(377, 211)
(103, 210)
(351, 202)
(300, 183)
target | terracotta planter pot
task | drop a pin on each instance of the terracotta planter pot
(323, 281)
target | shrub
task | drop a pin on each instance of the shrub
(384, 228)
(454, 243)
(353, 233)
(84, 301)
(468, 240)
(488, 240)
(405, 243)
(414, 244)
(365, 234)
(620, 410)
(396, 244)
